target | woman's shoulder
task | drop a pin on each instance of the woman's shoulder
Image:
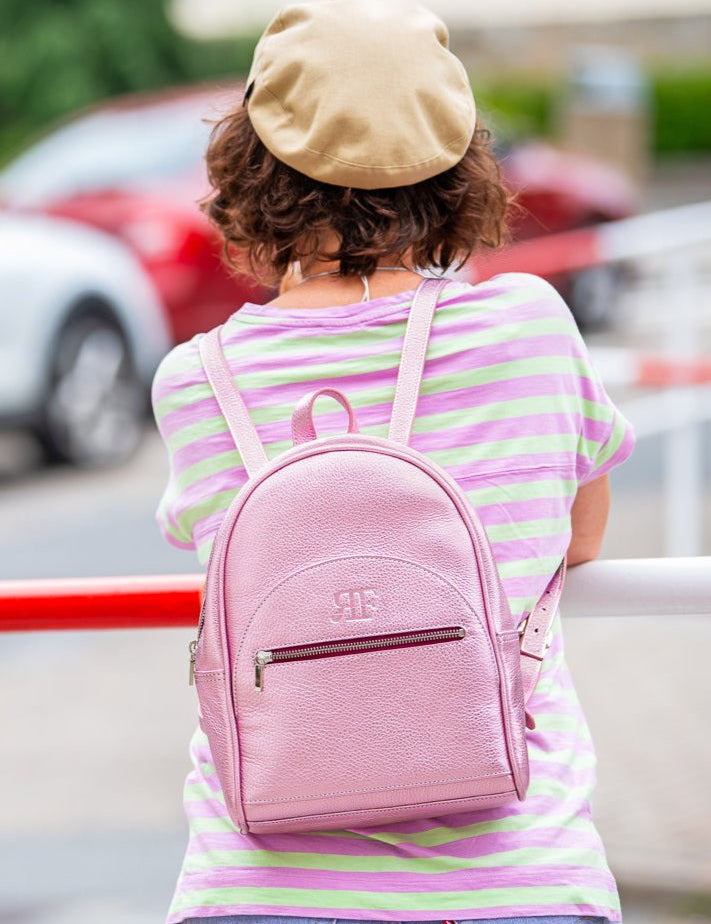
(179, 372)
(182, 356)
(514, 288)
(520, 303)
(529, 283)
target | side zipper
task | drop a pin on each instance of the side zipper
(350, 646)
(192, 647)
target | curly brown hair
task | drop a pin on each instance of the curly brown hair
(270, 215)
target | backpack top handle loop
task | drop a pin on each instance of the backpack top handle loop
(302, 421)
(412, 360)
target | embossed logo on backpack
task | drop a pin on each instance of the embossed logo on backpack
(356, 605)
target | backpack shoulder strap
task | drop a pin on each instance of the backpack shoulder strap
(407, 389)
(231, 403)
(535, 630)
(536, 627)
(412, 360)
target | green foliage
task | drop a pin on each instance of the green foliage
(682, 103)
(206, 60)
(516, 107)
(57, 56)
(681, 109)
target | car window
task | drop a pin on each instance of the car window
(108, 149)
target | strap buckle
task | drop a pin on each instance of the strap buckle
(534, 644)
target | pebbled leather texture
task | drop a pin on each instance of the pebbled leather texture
(342, 539)
(217, 721)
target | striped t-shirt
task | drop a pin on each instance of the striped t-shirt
(511, 407)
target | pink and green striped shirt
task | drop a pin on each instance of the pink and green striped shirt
(511, 406)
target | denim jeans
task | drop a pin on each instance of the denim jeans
(276, 919)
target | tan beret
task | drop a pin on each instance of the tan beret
(361, 93)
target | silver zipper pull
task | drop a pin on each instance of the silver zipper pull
(191, 675)
(261, 659)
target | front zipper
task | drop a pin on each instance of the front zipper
(364, 643)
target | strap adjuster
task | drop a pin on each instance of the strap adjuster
(533, 643)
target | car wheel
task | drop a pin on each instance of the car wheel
(592, 295)
(94, 407)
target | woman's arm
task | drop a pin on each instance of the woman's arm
(588, 520)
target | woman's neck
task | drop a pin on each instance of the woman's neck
(319, 285)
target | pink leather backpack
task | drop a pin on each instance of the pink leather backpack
(357, 662)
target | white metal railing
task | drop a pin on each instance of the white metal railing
(639, 587)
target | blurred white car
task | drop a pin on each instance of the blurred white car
(81, 333)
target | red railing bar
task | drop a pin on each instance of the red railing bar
(161, 601)
(668, 370)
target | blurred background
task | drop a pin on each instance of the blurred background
(602, 118)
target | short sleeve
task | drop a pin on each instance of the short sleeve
(170, 527)
(612, 450)
(173, 383)
(605, 437)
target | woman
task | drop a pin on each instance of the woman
(357, 155)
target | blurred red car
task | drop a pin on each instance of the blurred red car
(133, 167)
